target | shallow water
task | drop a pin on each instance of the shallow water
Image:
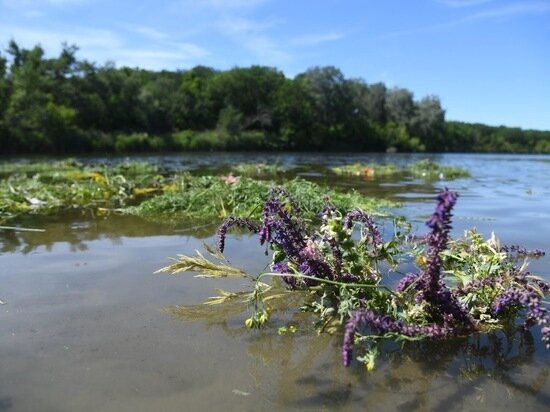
(84, 327)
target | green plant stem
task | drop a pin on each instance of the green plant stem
(21, 229)
(330, 282)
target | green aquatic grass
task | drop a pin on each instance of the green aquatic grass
(42, 188)
(212, 197)
(367, 170)
(259, 169)
(429, 169)
(140, 188)
(72, 169)
(10, 168)
(425, 169)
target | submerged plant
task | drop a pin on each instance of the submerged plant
(461, 287)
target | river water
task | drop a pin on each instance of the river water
(84, 326)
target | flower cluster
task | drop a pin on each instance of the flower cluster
(372, 234)
(430, 281)
(384, 324)
(429, 308)
(521, 251)
(230, 222)
(527, 296)
(344, 274)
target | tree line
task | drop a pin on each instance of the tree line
(67, 105)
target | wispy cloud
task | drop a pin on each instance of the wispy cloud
(243, 26)
(146, 31)
(25, 4)
(216, 6)
(155, 59)
(511, 10)
(462, 3)
(267, 51)
(38, 8)
(105, 45)
(233, 4)
(51, 40)
(541, 7)
(253, 36)
(190, 50)
(315, 39)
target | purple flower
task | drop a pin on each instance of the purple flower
(521, 251)
(281, 228)
(230, 222)
(382, 324)
(406, 281)
(358, 215)
(281, 267)
(431, 285)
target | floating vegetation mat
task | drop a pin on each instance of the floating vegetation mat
(259, 169)
(41, 188)
(141, 189)
(341, 273)
(214, 197)
(425, 169)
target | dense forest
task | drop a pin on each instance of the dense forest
(66, 105)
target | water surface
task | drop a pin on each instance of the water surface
(84, 327)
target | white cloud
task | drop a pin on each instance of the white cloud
(315, 39)
(462, 3)
(511, 10)
(252, 35)
(146, 31)
(51, 40)
(101, 46)
(191, 50)
(243, 26)
(215, 6)
(154, 59)
(266, 50)
(25, 4)
(233, 4)
(221, 4)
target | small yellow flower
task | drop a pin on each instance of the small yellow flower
(421, 261)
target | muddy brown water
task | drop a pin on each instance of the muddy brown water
(83, 327)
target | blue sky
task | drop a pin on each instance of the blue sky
(487, 60)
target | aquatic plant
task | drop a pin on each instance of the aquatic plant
(259, 169)
(215, 197)
(425, 169)
(367, 170)
(428, 169)
(142, 189)
(41, 188)
(341, 270)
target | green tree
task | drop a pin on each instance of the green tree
(400, 107)
(428, 124)
(250, 91)
(192, 107)
(333, 101)
(294, 117)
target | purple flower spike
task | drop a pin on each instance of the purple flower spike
(521, 251)
(383, 324)
(406, 281)
(431, 284)
(230, 222)
(358, 215)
